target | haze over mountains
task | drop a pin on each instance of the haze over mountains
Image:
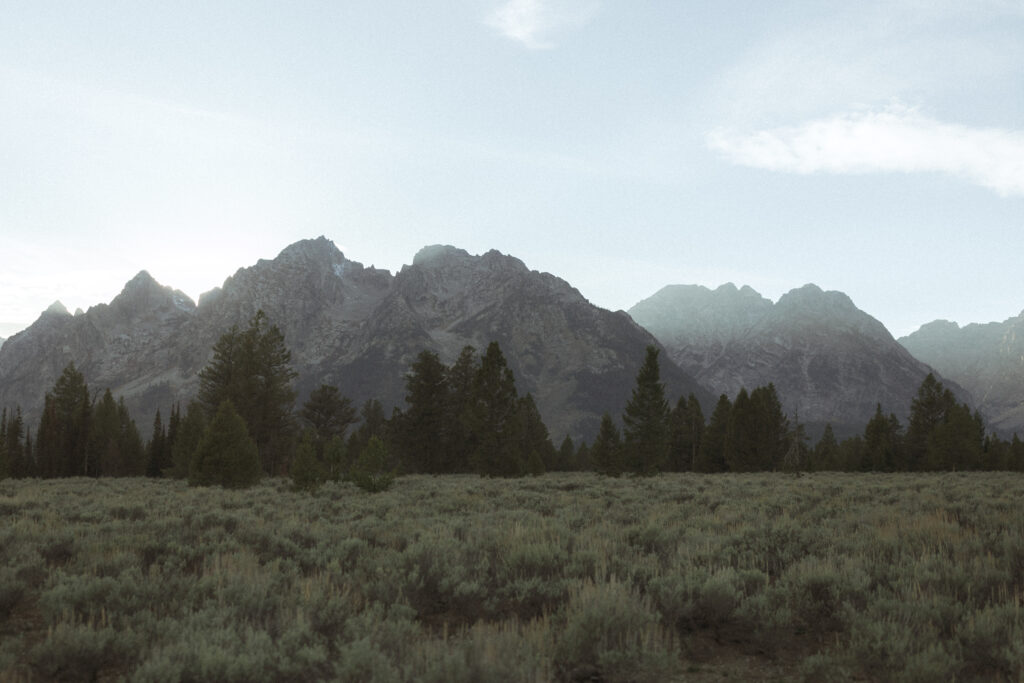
(987, 359)
(829, 361)
(360, 328)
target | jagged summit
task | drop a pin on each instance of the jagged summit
(354, 327)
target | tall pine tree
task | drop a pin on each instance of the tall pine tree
(645, 422)
(252, 369)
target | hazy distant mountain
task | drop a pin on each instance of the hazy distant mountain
(829, 361)
(986, 359)
(358, 328)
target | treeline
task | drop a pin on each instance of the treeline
(464, 418)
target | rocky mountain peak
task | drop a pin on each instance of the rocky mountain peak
(439, 256)
(57, 309)
(319, 251)
(143, 294)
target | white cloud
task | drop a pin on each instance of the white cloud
(533, 22)
(894, 139)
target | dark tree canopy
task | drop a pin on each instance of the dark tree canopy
(252, 369)
(646, 420)
(606, 452)
(226, 456)
(711, 455)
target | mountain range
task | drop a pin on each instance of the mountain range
(354, 327)
(830, 362)
(360, 328)
(987, 359)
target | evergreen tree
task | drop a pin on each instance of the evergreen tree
(328, 413)
(536, 449)
(881, 443)
(423, 438)
(566, 461)
(252, 369)
(741, 448)
(307, 471)
(771, 428)
(797, 457)
(645, 422)
(711, 455)
(929, 409)
(158, 452)
(686, 429)
(606, 453)
(370, 471)
(461, 376)
(5, 470)
(105, 438)
(189, 433)
(957, 443)
(336, 460)
(130, 446)
(373, 424)
(826, 452)
(62, 441)
(226, 456)
(491, 418)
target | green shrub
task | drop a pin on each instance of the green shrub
(612, 634)
(370, 471)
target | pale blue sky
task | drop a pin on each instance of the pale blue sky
(871, 147)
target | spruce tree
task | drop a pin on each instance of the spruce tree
(536, 449)
(424, 434)
(686, 429)
(491, 418)
(771, 428)
(158, 456)
(929, 409)
(226, 456)
(460, 377)
(374, 424)
(711, 455)
(566, 456)
(105, 438)
(826, 452)
(881, 443)
(328, 413)
(646, 420)
(62, 440)
(606, 452)
(252, 369)
(741, 446)
(187, 437)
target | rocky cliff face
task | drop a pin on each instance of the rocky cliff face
(830, 362)
(359, 328)
(986, 359)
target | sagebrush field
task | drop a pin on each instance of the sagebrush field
(560, 577)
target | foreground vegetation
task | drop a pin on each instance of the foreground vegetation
(560, 577)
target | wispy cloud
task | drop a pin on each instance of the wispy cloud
(533, 23)
(894, 139)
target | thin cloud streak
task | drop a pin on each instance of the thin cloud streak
(531, 22)
(895, 139)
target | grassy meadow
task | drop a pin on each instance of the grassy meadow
(561, 577)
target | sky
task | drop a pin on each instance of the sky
(876, 148)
